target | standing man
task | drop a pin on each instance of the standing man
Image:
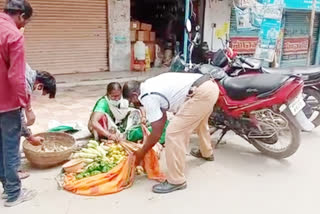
(13, 97)
(192, 98)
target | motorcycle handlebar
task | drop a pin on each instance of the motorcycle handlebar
(196, 40)
(246, 62)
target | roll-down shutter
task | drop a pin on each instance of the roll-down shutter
(296, 38)
(68, 36)
(315, 38)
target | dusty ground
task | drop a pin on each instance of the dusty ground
(241, 180)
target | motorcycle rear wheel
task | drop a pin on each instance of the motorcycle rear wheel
(271, 150)
(312, 98)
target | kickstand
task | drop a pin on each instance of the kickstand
(224, 132)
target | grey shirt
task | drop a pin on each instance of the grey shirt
(30, 80)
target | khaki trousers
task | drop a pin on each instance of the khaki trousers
(193, 115)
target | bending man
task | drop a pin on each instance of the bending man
(192, 98)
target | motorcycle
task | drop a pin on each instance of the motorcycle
(236, 65)
(262, 109)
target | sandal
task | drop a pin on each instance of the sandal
(23, 174)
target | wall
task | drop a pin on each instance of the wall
(218, 12)
(119, 34)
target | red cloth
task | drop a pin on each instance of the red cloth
(104, 122)
(13, 93)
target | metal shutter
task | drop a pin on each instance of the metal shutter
(68, 36)
(316, 38)
(296, 37)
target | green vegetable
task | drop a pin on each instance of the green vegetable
(105, 169)
(93, 143)
(94, 151)
(95, 173)
(85, 150)
(101, 151)
(88, 160)
(86, 174)
(79, 176)
(93, 167)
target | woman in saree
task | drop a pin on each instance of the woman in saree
(113, 119)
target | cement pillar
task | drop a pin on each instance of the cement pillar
(119, 34)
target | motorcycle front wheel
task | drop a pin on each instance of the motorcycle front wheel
(287, 142)
(311, 97)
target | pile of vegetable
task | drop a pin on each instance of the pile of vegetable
(99, 158)
(50, 147)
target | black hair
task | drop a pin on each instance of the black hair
(129, 88)
(48, 81)
(113, 86)
(19, 7)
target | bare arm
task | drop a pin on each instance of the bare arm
(153, 138)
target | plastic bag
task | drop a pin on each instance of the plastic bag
(135, 134)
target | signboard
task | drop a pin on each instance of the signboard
(269, 30)
(300, 4)
(250, 13)
(268, 37)
(294, 46)
(244, 45)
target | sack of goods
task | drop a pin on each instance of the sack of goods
(106, 168)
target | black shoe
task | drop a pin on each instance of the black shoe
(166, 187)
(196, 153)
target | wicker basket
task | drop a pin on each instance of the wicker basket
(49, 159)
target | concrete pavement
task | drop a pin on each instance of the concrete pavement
(241, 180)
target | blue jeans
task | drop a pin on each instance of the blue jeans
(10, 130)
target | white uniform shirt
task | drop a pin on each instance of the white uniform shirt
(174, 86)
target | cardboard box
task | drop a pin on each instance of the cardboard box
(145, 27)
(135, 25)
(152, 50)
(144, 36)
(133, 35)
(152, 36)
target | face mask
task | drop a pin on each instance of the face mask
(115, 103)
(37, 93)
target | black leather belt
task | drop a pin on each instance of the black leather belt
(198, 83)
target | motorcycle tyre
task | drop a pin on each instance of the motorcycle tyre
(316, 94)
(290, 150)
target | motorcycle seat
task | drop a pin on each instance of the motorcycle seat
(310, 72)
(263, 85)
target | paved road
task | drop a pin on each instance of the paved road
(241, 180)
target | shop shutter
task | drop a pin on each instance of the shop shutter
(316, 38)
(68, 36)
(296, 36)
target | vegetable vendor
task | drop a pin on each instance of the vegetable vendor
(112, 118)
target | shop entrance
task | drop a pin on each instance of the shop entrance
(159, 24)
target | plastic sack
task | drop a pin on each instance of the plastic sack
(117, 179)
(135, 134)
